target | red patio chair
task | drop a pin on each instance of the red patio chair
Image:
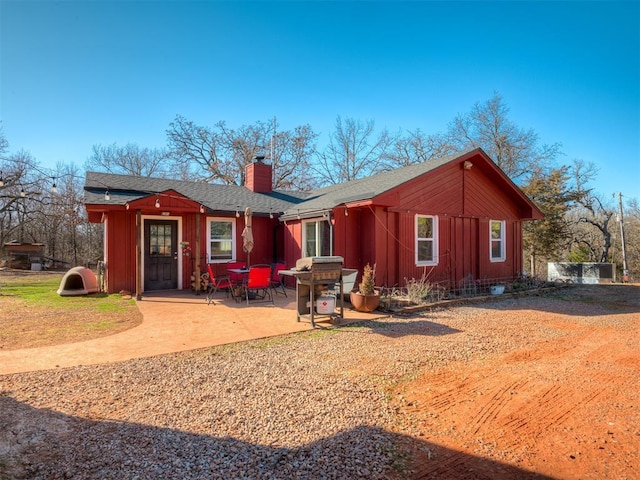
(258, 283)
(219, 282)
(276, 279)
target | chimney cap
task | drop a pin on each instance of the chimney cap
(259, 158)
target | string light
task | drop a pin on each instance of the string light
(237, 211)
(106, 195)
(23, 193)
(157, 202)
(201, 208)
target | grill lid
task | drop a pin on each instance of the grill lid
(305, 263)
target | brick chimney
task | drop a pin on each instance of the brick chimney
(259, 176)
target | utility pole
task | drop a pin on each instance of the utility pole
(273, 142)
(625, 268)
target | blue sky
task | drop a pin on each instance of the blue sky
(77, 74)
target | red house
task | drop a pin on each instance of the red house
(450, 219)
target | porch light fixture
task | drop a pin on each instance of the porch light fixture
(106, 195)
(157, 202)
(201, 208)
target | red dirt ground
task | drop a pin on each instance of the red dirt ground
(567, 408)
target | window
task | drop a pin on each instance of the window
(160, 239)
(497, 241)
(222, 239)
(426, 240)
(316, 238)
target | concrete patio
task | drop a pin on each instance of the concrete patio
(175, 321)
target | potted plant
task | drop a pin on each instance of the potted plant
(366, 298)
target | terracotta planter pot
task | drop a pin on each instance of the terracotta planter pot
(364, 303)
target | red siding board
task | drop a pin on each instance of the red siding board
(121, 252)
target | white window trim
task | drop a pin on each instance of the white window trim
(210, 220)
(318, 244)
(503, 240)
(434, 239)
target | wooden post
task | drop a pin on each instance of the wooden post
(138, 255)
(196, 252)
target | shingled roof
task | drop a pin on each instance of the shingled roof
(364, 188)
(229, 198)
(222, 198)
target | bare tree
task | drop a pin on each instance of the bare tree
(354, 151)
(516, 151)
(592, 216)
(200, 149)
(21, 184)
(220, 154)
(291, 158)
(417, 147)
(130, 159)
(632, 233)
(4, 144)
(598, 214)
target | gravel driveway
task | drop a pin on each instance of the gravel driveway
(313, 405)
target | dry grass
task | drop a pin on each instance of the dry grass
(32, 314)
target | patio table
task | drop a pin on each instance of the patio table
(242, 274)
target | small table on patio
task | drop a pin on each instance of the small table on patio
(241, 275)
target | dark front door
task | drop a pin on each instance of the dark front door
(161, 254)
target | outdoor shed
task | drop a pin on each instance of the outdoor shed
(25, 256)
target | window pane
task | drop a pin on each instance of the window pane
(154, 248)
(325, 236)
(496, 230)
(310, 239)
(221, 230)
(221, 250)
(425, 250)
(496, 249)
(165, 239)
(425, 227)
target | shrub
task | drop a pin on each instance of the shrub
(368, 283)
